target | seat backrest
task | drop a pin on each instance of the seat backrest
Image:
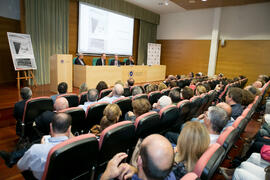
(165, 92)
(73, 99)
(94, 114)
(116, 138)
(237, 122)
(146, 124)
(181, 83)
(138, 96)
(127, 92)
(110, 60)
(176, 88)
(184, 109)
(168, 117)
(190, 176)
(72, 159)
(227, 138)
(94, 62)
(34, 107)
(73, 60)
(145, 85)
(195, 102)
(153, 97)
(83, 98)
(124, 104)
(209, 162)
(78, 119)
(104, 92)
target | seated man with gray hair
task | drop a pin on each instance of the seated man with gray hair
(79, 60)
(26, 94)
(136, 90)
(92, 96)
(162, 102)
(116, 93)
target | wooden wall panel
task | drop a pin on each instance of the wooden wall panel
(7, 72)
(247, 57)
(73, 33)
(184, 56)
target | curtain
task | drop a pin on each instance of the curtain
(47, 23)
(147, 34)
(126, 8)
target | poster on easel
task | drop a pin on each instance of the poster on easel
(21, 51)
(153, 54)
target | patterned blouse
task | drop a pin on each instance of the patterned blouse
(179, 170)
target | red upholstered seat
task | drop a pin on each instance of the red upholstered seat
(32, 109)
(83, 98)
(168, 117)
(237, 121)
(165, 92)
(94, 114)
(190, 176)
(73, 99)
(104, 92)
(138, 96)
(195, 104)
(116, 138)
(146, 124)
(73, 158)
(209, 161)
(78, 119)
(124, 104)
(153, 97)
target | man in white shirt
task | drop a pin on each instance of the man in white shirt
(116, 93)
(35, 158)
(92, 96)
(215, 120)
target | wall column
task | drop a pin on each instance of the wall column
(214, 42)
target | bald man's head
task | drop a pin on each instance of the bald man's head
(60, 104)
(118, 90)
(157, 155)
(226, 107)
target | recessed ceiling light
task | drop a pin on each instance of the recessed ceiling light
(191, 1)
(204, 0)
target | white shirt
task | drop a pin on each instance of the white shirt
(86, 104)
(213, 138)
(110, 99)
(35, 158)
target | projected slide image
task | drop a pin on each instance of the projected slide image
(97, 44)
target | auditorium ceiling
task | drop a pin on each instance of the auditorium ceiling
(173, 6)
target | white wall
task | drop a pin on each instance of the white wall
(237, 22)
(196, 24)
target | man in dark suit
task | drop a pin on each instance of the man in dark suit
(102, 60)
(115, 61)
(26, 94)
(130, 61)
(79, 60)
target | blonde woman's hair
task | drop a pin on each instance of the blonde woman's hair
(191, 144)
(111, 116)
(200, 89)
(162, 86)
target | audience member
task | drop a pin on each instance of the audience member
(207, 87)
(253, 90)
(149, 88)
(234, 99)
(102, 60)
(155, 161)
(79, 60)
(186, 93)
(172, 84)
(175, 96)
(83, 88)
(247, 97)
(191, 75)
(101, 85)
(193, 84)
(228, 110)
(130, 82)
(35, 158)
(62, 89)
(26, 94)
(140, 106)
(162, 102)
(191, 144)
(119, 82)
(92, 96)
(116, 93)
(136, 90)
(111, 115)
(215, 120)
(200, 89)
(257, 84)
(162, 86)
